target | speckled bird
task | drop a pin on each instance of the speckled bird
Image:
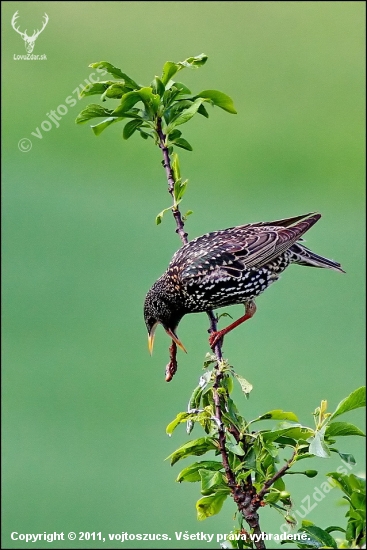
(227, 267)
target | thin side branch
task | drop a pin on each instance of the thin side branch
(280, 473)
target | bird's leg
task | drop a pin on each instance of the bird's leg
(171, 368)
(250, 309)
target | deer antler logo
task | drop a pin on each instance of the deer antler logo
(29, 41)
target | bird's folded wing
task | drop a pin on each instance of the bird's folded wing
(232, 251)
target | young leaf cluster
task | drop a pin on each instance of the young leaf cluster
(141, 107)
(154, 111)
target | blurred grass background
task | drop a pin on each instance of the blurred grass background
(84, 406)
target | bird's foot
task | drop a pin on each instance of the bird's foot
(171, 368)
(215, 338)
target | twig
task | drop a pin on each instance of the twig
(280, 473)
(244, 495)
(171, 182)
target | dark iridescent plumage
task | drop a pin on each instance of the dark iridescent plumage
(228, 267)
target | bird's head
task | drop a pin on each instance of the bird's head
(158, 310)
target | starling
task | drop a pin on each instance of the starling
(227, 267)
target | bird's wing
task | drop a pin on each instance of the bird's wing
(233, 250)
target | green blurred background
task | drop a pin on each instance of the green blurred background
(84, 406)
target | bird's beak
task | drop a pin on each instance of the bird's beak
(170, 333)
(151, 339)
(175, 339)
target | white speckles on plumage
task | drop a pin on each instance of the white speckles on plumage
(227, 267)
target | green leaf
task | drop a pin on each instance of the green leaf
(358, 501)
(202, 111)
(185, 115)
(209, 360)
(318, 446)
(182, 88)
(219, 99)
(209, 506)
(346, 457)
(176, 167)
(196, 447)
(341, 481)
(349, 484)
(211, 482)
(194, 402)
(235, 448)
(355, 400)
(297, 433)
(174, 135)
(334, 528)
(272, 497)
(181, 142)
(98, 128)
(159, 217)
(115, 91)
(174, 110)
(94, 88)
(228, 384)
(279, 484)
(246, 387)
(158, 86)
(224, 314)
(144, 135)
(179, 190)
(188, 213)
(92, 111)
(127, 101)
(341, 429)
(117, 73)
(357, 483)
(181, 417)
(191, 473)
(131, 127)
(277, 414)
(169, 70)
(318, 536)
(194, 62)
(151, 100)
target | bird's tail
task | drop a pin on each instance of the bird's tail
(304, 256)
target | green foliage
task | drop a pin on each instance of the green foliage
(211, 505)
(355, 400)
(157, 110)
(164, 102)
(354, 536)
(191, 473)
(257, 453)
(219, 99)
(196, 447)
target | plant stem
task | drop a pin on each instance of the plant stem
(171, 182)
(276, 476)
(244, 495)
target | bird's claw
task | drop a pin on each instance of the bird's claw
(214, 338)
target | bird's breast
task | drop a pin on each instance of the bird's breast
(219, 289)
